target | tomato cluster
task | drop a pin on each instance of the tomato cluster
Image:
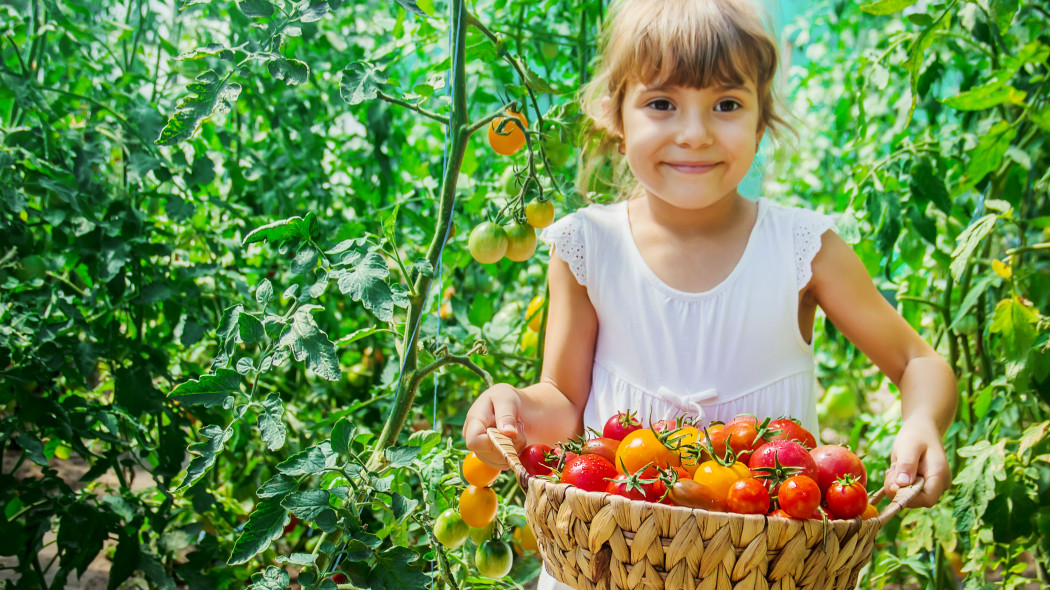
(745, 466)
(490, 242)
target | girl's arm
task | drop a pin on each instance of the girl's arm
(842, 288)
(551, 410)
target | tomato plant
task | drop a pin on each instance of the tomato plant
(507, 134)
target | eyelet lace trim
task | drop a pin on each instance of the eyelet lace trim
(809, 226)
(566, 238)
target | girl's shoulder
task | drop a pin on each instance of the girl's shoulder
(801, 230)
(586, 230)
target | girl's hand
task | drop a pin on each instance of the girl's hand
(918, 450)
(498, 406)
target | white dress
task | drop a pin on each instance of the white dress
(735, 348)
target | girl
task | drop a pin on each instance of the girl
(686, 296)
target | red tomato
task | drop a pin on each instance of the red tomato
(588, 472)
(292, 523)
(718, 478)
(778, 460)
(715, 437)
(620, 425)
(790, 429)
(634, 487)
(641, 448)
(605, 447)
(846, 498)
(691, 494)
(748, 496)
(779, 513)
(538, 459)
(834, 461)
(743, 419)
(745, 437)
(799, 496)
(561, 457)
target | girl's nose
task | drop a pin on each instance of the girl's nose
(695, 131)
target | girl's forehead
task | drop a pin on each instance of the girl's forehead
(639, 85)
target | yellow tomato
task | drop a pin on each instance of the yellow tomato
(717, 477)
(534, 313)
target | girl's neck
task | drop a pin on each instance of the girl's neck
(726, 215)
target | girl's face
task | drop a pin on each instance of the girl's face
(690, 147)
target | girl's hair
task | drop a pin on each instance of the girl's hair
(691, 43)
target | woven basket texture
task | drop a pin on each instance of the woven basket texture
(597, 541)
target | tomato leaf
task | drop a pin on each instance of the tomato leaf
(292, 71)
(205, 453)
(309, 504)
(284, 229)
(278, 485)
(402, 506)
(366, 282)
(887, 6)
(976, 482)
(361, 82)
(968, 242)
(312, 461)
(271, 426)
(1015, 321)
(396, 569)
(256, 8)
(928, 187)
(401, 456)
(342, 436)
(265, 524)
(209, 390)
(307, 342)
(208, 95)
(987, 155)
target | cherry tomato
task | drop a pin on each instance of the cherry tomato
(684, 441)
(512, 137)
(743, 419)
(539, 214)
(743, 438)
(799, 496)
(339, 578)
(538, 459)
(477, 506)
(620, 425)
(521, 242)
(846, 498)
(588, 472)
(869, 512)
(834, 461)
(748, 496)
(641, 448)
(605, 447)
(633, 488)
(691, 494)
(718, 478)
(450, 530)
(534, 313)
(525, 538)
(790, 429)
(479, 536)
(477, 472)
(779, 513)
(778, 460)
(715, 437)
(493, 559)
(487, 242)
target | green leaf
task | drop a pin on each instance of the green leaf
(292, 71)
(973, 296)
(968, 242)
(312, 461)
(210, 50)
(205, 453)
(278, 485)
(402, 506)
(401, 456)
(271, 425)
(309, 504)
(125, 560)
(928, 187)
(265, 524)
(396, 569)
(273, 578)
(987, 155)
(264, 293)
(305, 260)
(210, 390)
(342, 436)
(1004, 11)
(887, 6)
(985, 97)
(300, 559)
(411, 6)
(1041, 117)
(361, 81)
(366, 283)
(1032, 436)
(249, 328)
(1015, 321)
(208, 95)
(33, 448)
(312, 10)
(309, 343)
(285, 229)
(917, 55)
(256, 8)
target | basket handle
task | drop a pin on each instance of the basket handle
(901, 500)
(506, 447)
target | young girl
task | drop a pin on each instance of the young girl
(686, 296)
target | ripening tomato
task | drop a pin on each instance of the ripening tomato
(339, 578)
(691, 494)
(743, 419)
(799, 496)
(779, 513)
(605, 447)
(869, 512)
(633, 487)
(538, 459)
(477, 506)
(620, 425)
(525, 538)
(493, 559)
(643, 448)
(487, 242)
(521, 242)
(790, 455)
(846, 498)
(588, 472)
(834, 461)
(293, 521)
(511, 138)
(477, 472)
(790, 429)
(719, 478)
(748, 496)
(743, 438)
(715, 437)
(450, 530)
(539, 214)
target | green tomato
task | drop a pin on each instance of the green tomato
(493, 559)
(480, 535)
(450, 529)
(840, 402)
(509, 182)
(557, 151)
(63, 451)
(967, 325)
(358, 374)
(487, 242)
(521, 242)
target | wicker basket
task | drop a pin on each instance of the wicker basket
(592, 540)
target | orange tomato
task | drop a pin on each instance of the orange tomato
(477, 472)
(477, 506)
(685, 438)
(717, 477)
(869, 512)
(512, 138)
(641, 448)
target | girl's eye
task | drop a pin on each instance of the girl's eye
(661, 104)
(727, 106)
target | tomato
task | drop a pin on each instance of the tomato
(846, 498)
(779, 513)
(642, 447)
(539, 214)
(743, 436)
(511, 138)
(493, 559)
(538, 459)
(479, 536)
(748, 496)
(477, 472)
(358, 374)
(683, 441)
(450, 530)
(562, 457)
(521, 242)
(529, 341)
(534, 313)
(799, 496)
(556, 150)
(620, 425)
(64, 451)
(834, 461)
(743, 419)
(635, 487)
(790, 429)
(715, 438)
(741, 469)
(487, 242)
(719, 478)
(525, 538)
(778, 460)
(445, 311)
(692, 494)
(605, 447)
(293, 521)
(510, 182)
(477, 506)
(588, 472)
(870, 511)
(339, 578)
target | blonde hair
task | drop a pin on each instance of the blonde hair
(691, 43)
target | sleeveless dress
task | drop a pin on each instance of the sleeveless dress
(735, 348)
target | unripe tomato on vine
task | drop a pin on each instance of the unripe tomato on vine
(521, 242)
(511, 138)
(488, 242)
(539, 214)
